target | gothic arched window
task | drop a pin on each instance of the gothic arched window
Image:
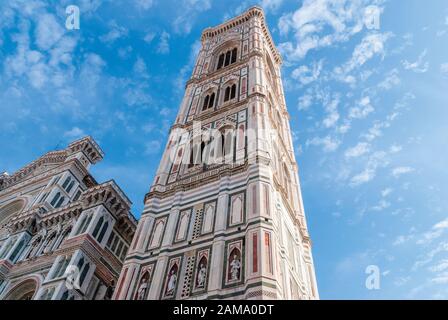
(70, 186)
(83, 274)
(55, 198)
(227, 58)
(234, 52)
(209, 101)
(230, 92)
(103, 231)
(97, 227)
(220, 61)
(66, 182)
(61, 200)
(197, 155)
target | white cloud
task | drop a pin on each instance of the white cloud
(164, 46)
(91, 70)
(363, 177)
(383, 204)
(398, 171)
(152, 147)
(187, 12)
(149, 37)
(370, 46)
(362, 110)
(386, 192)
(48, 31)
(328, 143)
(74, 133)
(418, 66)
(392, 79)
(270, 4)
(143, 4)
(395, 148)
(436, 231)
(331, 109)
(402, 239)
(358, 150)
(306, 74)
(444, 68)
(116, 32)
(140, 68)
(321, 23)
(305, 102)
(440, 266)
(376, 160)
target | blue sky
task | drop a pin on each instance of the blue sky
(368, 113)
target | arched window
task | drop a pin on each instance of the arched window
(70, 186)
(234, 52)
(227, 58)
(227, 94)
(81, 225)
(61, 200)
(66, 182)
(230, 92)
(209, 101)
(205, 105)
(98, 226)
(103, 231)
(61, 266)
(212, 100)
(17, 250)
(220, 61)
(55, 198)
(83, 274)
(197, 155)
(86, 225)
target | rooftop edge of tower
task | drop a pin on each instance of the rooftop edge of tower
(252, 11)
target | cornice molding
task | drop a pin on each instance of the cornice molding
(246, 16)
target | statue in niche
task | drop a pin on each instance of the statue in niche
(172, 280)
(234, 266)
(143, 287)
(201, 276)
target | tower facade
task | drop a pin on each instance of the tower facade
(63, 236)
(224, 217)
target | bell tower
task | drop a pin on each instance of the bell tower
(224, 217)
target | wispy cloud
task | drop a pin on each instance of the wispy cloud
(418, 66)
(360, 149)
(319, 24)
(399, 171)
(327, 143)
(164, 46)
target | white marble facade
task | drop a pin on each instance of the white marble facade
(63, 236)
(224, 217)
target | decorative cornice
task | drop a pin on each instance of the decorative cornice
(25, 172)
(193, 181)
(111, 196)
(251, 12)
(89, 147)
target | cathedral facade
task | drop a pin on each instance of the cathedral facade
(224, 217)
(63, 236)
